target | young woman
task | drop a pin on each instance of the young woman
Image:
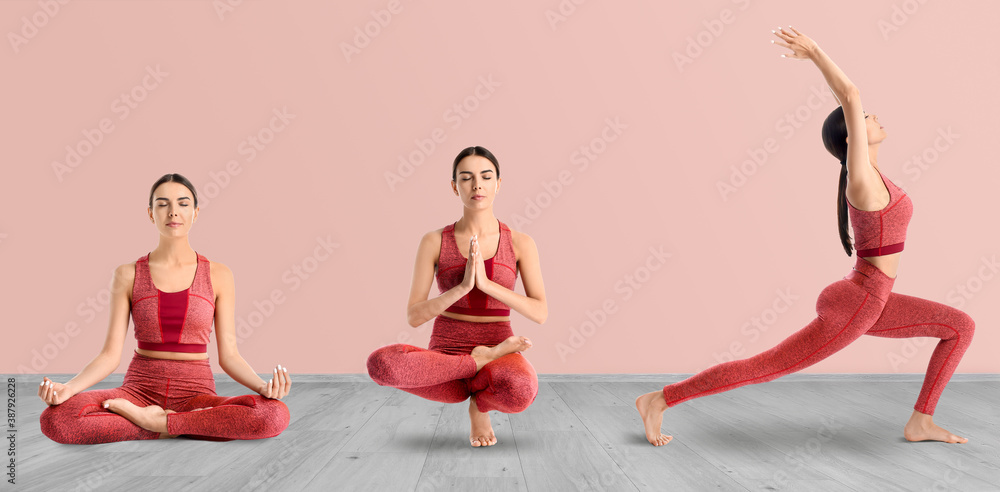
(862, 303)
(168, 389)
(473, 352)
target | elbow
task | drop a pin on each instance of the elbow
(542, 315)
(851, 95)
(413, 319)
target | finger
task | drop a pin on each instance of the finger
(282, 373)
(783, 35)
(797, 33)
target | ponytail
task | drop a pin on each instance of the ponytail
(842, 214)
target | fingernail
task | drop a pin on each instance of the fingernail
(782, 56)
(284, 369)
(41, 383)
(772, 41)
(105, 405)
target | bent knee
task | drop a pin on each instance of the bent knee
(966, 326)
(518, 392)
(55, 425)
(382, 364)
(274, 419)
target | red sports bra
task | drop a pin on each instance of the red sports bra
(882, 232)
(173, 321)
(501, 268)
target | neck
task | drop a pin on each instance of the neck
(174, 250)
(478, 222)
(873, 156)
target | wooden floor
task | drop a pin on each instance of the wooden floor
(801, 433)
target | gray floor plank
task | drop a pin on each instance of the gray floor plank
(585, 434)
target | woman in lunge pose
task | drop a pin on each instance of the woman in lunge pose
(862, 303)
(168, 389)
(473, 352)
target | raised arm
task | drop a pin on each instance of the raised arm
(863, 183)
(110, 356)
(420, 309)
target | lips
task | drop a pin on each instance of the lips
(174, 224)
(478, 197)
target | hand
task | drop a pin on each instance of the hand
(470, 266)
(277, 388)
(801, 45)
(53, 393)
(481, 278)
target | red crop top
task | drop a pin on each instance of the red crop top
(173, 321)
(882, 232)
(501, 268)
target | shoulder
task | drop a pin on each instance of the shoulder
(523, 243)
(430, 243)
(125, 272)
(220, 273)
(432, 238)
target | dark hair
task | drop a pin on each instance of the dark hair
(835, 141)
(173, 178)
(477, 150)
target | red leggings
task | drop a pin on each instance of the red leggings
(179, 385)
(446, 372)
(861, 304)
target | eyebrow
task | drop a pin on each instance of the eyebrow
(470, 172)
(167, 199)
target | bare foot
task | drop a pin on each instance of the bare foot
(482, 432)
(921, 427)
(164, 435)
(651, 407)
(484, 355)
(152, 418)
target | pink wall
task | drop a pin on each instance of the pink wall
(535, 88)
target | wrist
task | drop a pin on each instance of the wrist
(814, 53)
